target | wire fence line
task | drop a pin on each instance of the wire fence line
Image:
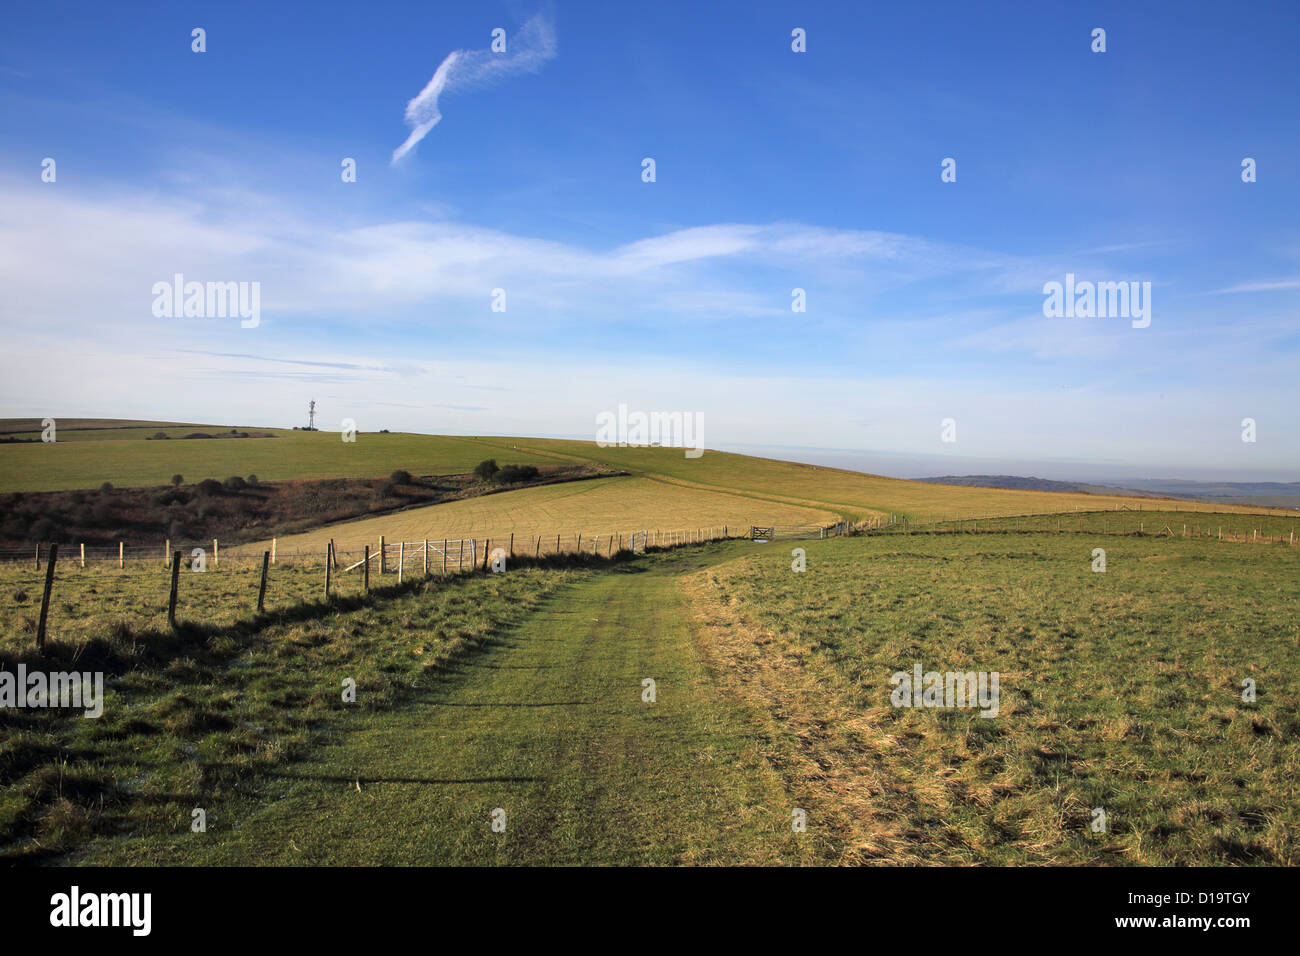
(1278, 528)
(442, 554)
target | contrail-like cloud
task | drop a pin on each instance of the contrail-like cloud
(527, 50)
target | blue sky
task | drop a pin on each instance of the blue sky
(775, 170)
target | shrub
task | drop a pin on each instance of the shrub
(177, 479)
(252, 480)
(386, 490)
(106, 486)
(515, 474)
(486, 469)
(235, 483)
(400, 477)
(209, 486)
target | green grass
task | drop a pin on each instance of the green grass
(521, 691)
(86, 459)
(1191, 524)
(191, 718)
(1119, 690)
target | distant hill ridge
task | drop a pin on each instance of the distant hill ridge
(1282, 494)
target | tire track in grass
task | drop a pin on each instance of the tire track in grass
(548, 724)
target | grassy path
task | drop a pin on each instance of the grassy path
(548, 724)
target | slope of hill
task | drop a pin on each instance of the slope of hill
(1262, 494)
(676, 492)
(1038, 484)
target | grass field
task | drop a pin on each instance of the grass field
(599, 506)
(1119, 690)
(1174, 523)
(86, 458)
(522, 691)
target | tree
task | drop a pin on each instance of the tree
(486, 469)
(177, 479)
(516, 474)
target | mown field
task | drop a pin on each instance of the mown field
(598, 506)
(1119, 690)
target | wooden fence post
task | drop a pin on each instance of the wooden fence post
(261, 588)
(365, 573)
(401, 560)
(273, 544)
(578, 547)
(167, 553)
(383, 551)
(512, 545)
(45, 597)
(537, 552)
(38, 557)
(557, 544)
(171, 598)
(215, 554)
(83, 554)
(426, 557)
(487, 543)
(329, 565)
(121, 556)
(444, 555)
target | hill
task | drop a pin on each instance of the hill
(666, 490)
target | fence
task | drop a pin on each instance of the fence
(1254, 528)
(390, 563)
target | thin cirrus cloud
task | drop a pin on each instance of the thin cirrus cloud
(1278, 285)
(526, 52)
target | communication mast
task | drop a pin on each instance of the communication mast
(311, 416)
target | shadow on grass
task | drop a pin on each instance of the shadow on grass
(436, 781)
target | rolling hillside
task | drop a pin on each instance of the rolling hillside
(666, 490)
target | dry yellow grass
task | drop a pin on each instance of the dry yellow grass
(600, 506)
(854, 495)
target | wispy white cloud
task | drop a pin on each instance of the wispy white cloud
(1276, 285)
(526, 52)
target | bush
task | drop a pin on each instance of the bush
(235, 483)
(386, 490)
(252, 481)
(400, 477)
(486, 469)
(177, 480)
(106, 486)
(209, 486)
(515, 474)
